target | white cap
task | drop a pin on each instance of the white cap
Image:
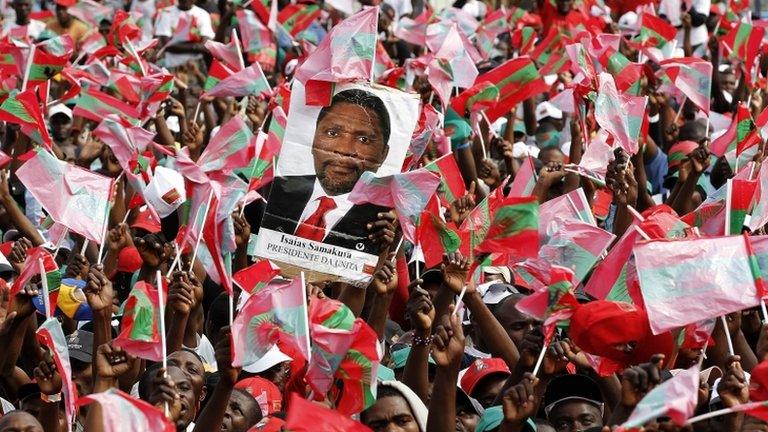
(546, 109)
(59, 108)
(521, 149)
(495, 291)
(628, 23)
(165, 192)
(273, 357)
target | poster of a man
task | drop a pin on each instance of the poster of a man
(325, 152)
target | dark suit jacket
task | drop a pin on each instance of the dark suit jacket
(290, 195)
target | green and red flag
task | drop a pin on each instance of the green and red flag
(743, 42)
(344, 353)
(228, 53)
(741, 199)
(482, 96)
(517, 80)
(51, 336)
(216, 73)
(12, 57)
(675, 398)
(513, 228)
(260, 171)
(255, 277)
(656, 37)
(577, 246)
(553, 303)
(120, 411)
(24, 109)
(760, 211)
(524, 39)
(741, 126)
(95, 105)
(525, 179)
(258, 40)
(140, 326)
(693, 77)
(31, 268)
(620, 114)
(557, 63)
(48, 59)
(276, 314)
(626, 74)
(437, 238)
(295, 18)
(451, 185)
(308, 416)
(249, 81)
(230, 149)
(609, 280)
(553, 43)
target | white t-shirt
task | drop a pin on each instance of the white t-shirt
(147, 10)
(167, 24)
(34, 28)
(401, 7)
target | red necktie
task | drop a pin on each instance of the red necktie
(313, 227)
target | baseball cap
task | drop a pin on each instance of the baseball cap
(572, 387)
(66, 3)
(481, 369)
(60, 108)
(129, 260)
(166, 191)
(628, 22)
(546, 109)
(499, 270)
(272, 358)
(145, 220)
(463, 399)
(494, 293)
(601, 327)
(80, 345)
(266, 393)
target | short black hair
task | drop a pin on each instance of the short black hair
(145, 382)
(366, 100)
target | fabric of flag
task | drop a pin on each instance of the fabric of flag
(274, 315)
(517, 80)
(609, 279)
(249, 81)
(383, 60)
(73, 196)
(344, 349)
(675, 398)
(306, 416)
(228, 53)
(295, 18)
(95, 105)
(524, 40)
(91, 12)
(31, 268)
(451, 65)
(230, 149)
(140, 327)
(525, 179)
(582, 63)
(437, 238)
(256, 276)
(555, 302)
(216, 73)
(740, 128)
(619, 114)
(760, 210)
(552, 44)
(48, 59)
(577, 246)
(346, 54)
(626, 74)
(408, 193)
(656, 37)
(742, 196)
(214, 231)
(513, 228)
(428, 129)
(93, 42)
(123, 28)
(479, 97)
(413, 30)
(261, 171)
(51, 336)
(743, 42)
(258, 41)
(556, 63)
(693, 77)
(709, 216)
(120, 411)
(12, 57)
(24, 109)
(687, 281)
(571, 206)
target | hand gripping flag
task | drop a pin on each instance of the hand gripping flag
(52, 337)
(743, 42)
(249, 81)
(140, 326)
(556, 302)
(306, 416)
(693, 77)
(619, 114)
(346, 54)
(675, 398)
(277, 314)
(408, 193)
(72, 196)
(31, 269)
(437, 238)
(122, 412)
(687, 281)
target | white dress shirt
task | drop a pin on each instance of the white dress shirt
(343, 205)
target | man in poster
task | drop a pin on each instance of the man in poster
(351, 137)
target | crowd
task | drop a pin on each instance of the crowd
(564, 230)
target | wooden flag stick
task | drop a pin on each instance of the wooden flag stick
(201, 228)
(540, 360)
(46, 293)
(727, 335)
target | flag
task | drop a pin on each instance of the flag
(140, 327)
(51, 336)
(656, 37)
(93, 42)
(524, 39)
(31, 268)
(95, 105)
(555, 302)
(344, 349)
(213, 232)
(228, 54)
(477, 98)
(258, 40)
(609, 279)
(437, 238)
(743, 42)
(275, 314)
(91, 12)
(256, 276)
(571, 206)
(230, 149)
(249, 81)
(295, 18)
(513, 228)
(451, 185)
(413, 30)
(517, 80)
(452, 65)
(73, 196)
(24, 109)
(48, 59)
(625, 73)
(347, 53)
(693, 77)
(306, 416)
(740, 128)
(687, 281)
(260, 172)
(619, 114)
(120, 411)
(742, 197)
(525, 179)
(216, 73)
(675, 398)
(428, 129)
(577, 246)
(407, 192)
(760, 211)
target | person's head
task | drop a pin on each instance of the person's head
(547, 135)
(184, 388)
(105, 26)
(192, 365)
(22, 9)
(551, 154)
(515, 323)
(185, 4)
(19, 421)
(62, 16)
(61, 122)
(351, 136)
(242, 412)
(695, 131)
(484, 380)
(728, 81)
(390, 413)
(468, 412)
(564, 6)
(573, 403)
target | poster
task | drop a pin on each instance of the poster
(309, 224)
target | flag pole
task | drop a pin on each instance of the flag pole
(375, 46)
(46, 294)
(58, 243)
(639, 217)
(306, 314)
(727, 335)
(161, 325)
(540, 360)
(84, 247)
(28, 69)
(202, 227)
(728, 199)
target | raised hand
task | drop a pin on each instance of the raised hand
(19, 253)
(47, 376)
(519, 401)
(227, 372)
(637, 381)
(733, 387)
(420, 309)
(164, 394)
(152, 251)
(385, 279)
(78, 267)
(21, 303)
(448, 343)
(181, 297)
(112, 362)
(382, 230)
(98, 291)
(454, 269)
(119, 238)
(461, 207)
(242, 229)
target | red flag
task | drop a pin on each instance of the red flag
(31, 268)
(120, 412)
(52, 337)
(306, 416)
(256, 276)
(517, 80)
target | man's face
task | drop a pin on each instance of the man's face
(60, 126)
(466, 419)
(185, 4)
(62, 16)
(187, 362)
(564, 6)
(390, 414)
(488, 388)
(348, 141)
(184, 388)
(516, 323)
(728, 82)
(575, 416)
(237, 417)
(19, 421)
(22, 8)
